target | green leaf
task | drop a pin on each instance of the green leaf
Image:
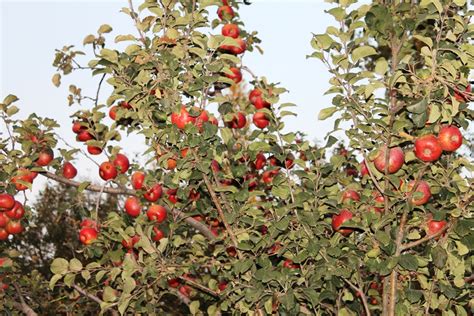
(362, 52)
(194, 307)
(59, 266)
(381, 66)
(104, 28)
(75, 265)
(326, 113)
(9, 99)
(109, 55)
(54, 280)
(408, 262)
(83, 186)
(322, 41)
(440, 256)
(122, 38)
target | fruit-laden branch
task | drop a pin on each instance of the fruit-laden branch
(123, 191)
(93, 298)
(25, 308)
(424, 239)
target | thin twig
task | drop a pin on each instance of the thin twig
(94, 298)
(134, 16)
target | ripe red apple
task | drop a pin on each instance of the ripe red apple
(260, 161)
(213, 120)
(194, 195)
(222, 286)
(87, 222)
(174, 283)
(225, 12)
(130, 242)
(157, 234)
(94, 150)
(24, 175)
(260, 120)
(267, 176)
(450, 138)
(182, 118)
(113, 112)
(171, 164)
(138, 178)
(3, 234)
(4, 219)
(77, 127)
(172, 195)
(6, 202)
(84, 136)
(87, 235)
(125, 105)
(257, 100)
(290, 265)
(289, 161)
(121, 162)
(69, 171)
(434, 227)
(231, 251)
(238, 121)
(428, 148)
(350, 195)
(231, 30)
(236, 75)
(17, 212)
(395, 162)
(184, 152)
(156, 213)
(45, 156)
(202, 118)
(461, 96)
(154, 193)
(108, 171)
(237, 49)
(133, 206)
(14, 227)
(339, 219)
(423, 188)
(185, 290)
(364, 170)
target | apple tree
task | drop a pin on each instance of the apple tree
(233, 214)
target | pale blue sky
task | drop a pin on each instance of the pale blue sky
(31, 30)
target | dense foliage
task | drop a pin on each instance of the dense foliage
(234, 214)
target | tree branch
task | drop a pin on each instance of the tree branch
(362, 295)
(25, 308)
(203, 229)
(424, 239)
(93, 298)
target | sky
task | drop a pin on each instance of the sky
(31, 30)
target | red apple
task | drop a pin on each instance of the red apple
(236, 75)
(260, 120)
(154, 193)
(450, 138)
(6, 202)
(462, 96)
(3, 234)
(290, 265)
(17, 212)
(433, 227)
(222, 286)
(267, 176)
(364, 170)
(423, 188)
(87, 235)
(133, 206)
(108, 171)
(238, 121)
(172, 195)
(395, 162)
(350, 195)
(138, 178)
(157, 234)
(156, 213)
(4, 219)
(182, 118)
(130, 242)
(174, 283)
(77, 127)
(428, 148)
(231, 30)
(87, 222)
(69, 171)
(113, 112)
(84, 136)
(14, 227)
(260, 161)
(94, 150)
(257, 100)
(45, 156)
(225, 12)
(341, 218)
(121, 162)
